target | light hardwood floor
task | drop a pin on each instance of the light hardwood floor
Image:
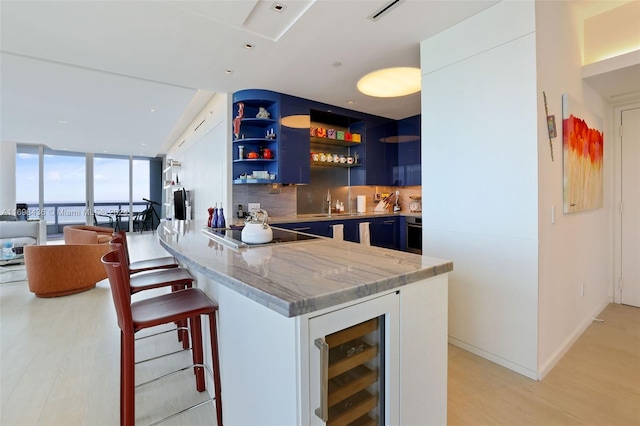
(60, 357)
(59, 365)
(596, 383)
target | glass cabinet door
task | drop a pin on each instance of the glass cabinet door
(353, 358)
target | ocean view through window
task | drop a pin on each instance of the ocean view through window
(64, 179)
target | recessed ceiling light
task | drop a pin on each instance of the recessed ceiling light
(278, 7)
(229, 71)
(62, 121)
(152, 110)
(337, 64)
(351, 101)
(390, 82)
(249, 46)
(143, 144)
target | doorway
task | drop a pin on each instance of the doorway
(627, 285)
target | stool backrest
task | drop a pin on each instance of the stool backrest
(120, 238)
(118, 273)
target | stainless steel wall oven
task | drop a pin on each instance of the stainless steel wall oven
(414, 234)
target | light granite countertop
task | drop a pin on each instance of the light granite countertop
(299, 277)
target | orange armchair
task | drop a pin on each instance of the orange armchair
(87, 234)
(59, 270)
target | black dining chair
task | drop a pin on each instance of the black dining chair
(104, 220)
(143, 220)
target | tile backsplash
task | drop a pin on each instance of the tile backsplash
(279, 200)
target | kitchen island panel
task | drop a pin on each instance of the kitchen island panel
(271, 295)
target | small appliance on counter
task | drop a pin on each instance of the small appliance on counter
(256, 230)
(416, 204)
(396, 205)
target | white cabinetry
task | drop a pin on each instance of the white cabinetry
(271, 367)
(171, 183)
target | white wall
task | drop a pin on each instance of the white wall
(205, 156)
(204, 151)
(515, 293)
(480, 185)
(578, 247)
(7, 177)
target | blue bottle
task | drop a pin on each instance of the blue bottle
(214, 221)
(221, 222)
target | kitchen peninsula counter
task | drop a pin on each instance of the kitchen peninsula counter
(278, 301)
(299, 277)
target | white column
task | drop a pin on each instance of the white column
(7, 177)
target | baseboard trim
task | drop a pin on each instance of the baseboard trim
(494, 358)
(569, 341)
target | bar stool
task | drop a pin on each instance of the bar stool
(166, 262)
(176, 278)
(188, 304)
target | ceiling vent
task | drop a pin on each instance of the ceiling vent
(384, 10)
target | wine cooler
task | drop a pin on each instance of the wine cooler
(351, 374)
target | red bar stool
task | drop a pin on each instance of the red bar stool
(176, 278)
(188, 304)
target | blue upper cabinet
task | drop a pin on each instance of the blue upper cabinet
(381, 151)
(294, 140)
(409, 171)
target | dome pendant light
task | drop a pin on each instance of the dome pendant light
(391, 82)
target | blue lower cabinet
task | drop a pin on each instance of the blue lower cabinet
(306, 227)
(385, 232)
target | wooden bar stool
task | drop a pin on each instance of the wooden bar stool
(188, 304)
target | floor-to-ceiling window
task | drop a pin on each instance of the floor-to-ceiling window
(65, 196)
(64, 189)
(141, 173)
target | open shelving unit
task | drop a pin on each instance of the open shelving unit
(170, 184)
(341, 147)
(253, 136)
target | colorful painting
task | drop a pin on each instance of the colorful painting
(582, 149)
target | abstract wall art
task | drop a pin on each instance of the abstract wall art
(582, 152)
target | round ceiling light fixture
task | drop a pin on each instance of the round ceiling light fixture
(391, 82)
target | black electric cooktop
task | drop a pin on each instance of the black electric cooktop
(233, 236)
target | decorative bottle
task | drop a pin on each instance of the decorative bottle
(214, 221)
(210, 221)
(221, 222)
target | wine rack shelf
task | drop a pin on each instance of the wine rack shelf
(352, 396)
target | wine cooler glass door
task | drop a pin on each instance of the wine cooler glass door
(353, 359)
